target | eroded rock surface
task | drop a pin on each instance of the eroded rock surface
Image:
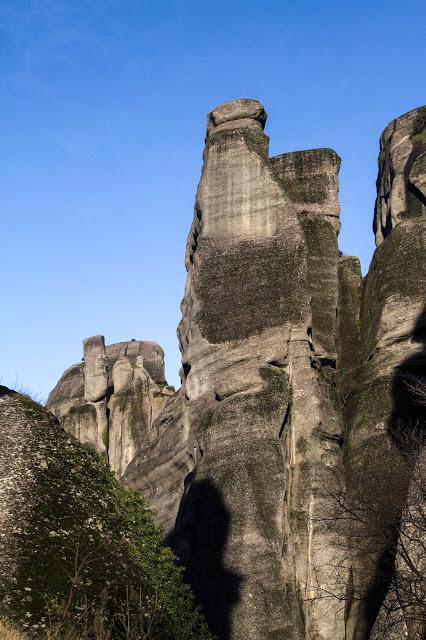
(297, 388)
(254, 424)
(111, 400)
(400, 184)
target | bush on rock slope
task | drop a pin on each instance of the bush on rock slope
(77, 550)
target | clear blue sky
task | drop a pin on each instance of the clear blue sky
(103, 107)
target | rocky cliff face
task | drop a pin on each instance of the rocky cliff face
(401, 188)
(110, 400)
(297, 388)
(384, 417)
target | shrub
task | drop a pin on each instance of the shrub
(91, 563)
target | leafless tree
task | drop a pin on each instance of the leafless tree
(378, 517)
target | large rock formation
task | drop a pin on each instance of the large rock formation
(255, 431)
(111, 400)
(297, 389)
(385, 420)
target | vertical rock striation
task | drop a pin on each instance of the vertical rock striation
(299, 389)
(400, 184)
(254, 430)
(383, 415)
(111, 400)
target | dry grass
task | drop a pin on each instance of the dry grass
(9, 633)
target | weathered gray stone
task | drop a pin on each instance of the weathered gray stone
(244, 112)
(133, 407)
(122, 374)
(152, 353)
(417, 175)
(88, 423)
(348, 323)
(68, 392)
(403, 613)
(296, 385)
(240, 446)
(403, 140)
(159, 469)
(380, 410)
(120, 421)
(310, 179)
(95, 369)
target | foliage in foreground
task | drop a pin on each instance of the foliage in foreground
(91, 560)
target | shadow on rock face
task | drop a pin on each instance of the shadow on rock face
(407, 426)
(199, 539)
(407, 431)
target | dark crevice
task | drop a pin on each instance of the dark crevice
(285, 421)
(321, 362)
(109, 393)
(327, 362)
(195, 234)
(417, 193)
(218, 397)
(164, 422)
(310, 338)
(186, 367)
(280, 364)
(315, 363)
(332, 437)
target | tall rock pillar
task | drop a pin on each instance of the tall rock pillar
(254, 410)
(383, 416)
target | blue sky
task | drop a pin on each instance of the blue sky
(103, 109)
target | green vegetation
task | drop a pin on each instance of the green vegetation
(420, 137)
(90, 558)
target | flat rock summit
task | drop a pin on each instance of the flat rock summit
(295, 442)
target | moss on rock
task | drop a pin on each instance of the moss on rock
(87, 545)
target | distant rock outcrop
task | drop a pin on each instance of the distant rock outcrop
(299, 389)
(110, 400)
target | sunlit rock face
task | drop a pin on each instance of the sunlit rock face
(401, 180)
(385, 418)
(297, 380)
(111, 400)
(254, 431)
